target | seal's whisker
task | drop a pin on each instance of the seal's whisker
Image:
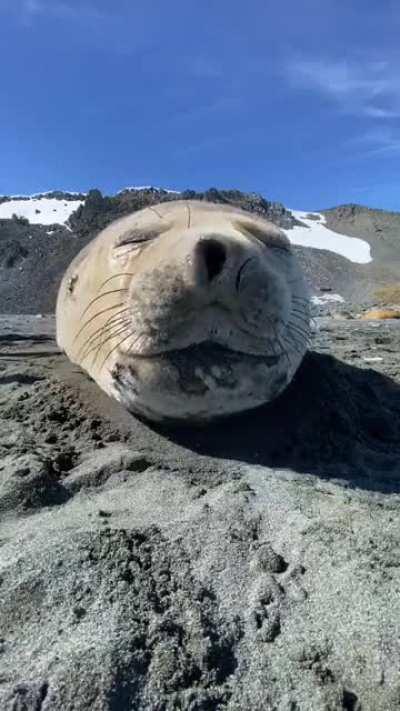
(95, 342)
(115, 318)
(298, 329)
(295, 328)
(300, 340)
(301, 345)
(299, 303)
(101, 296)
(305, 335)
(98, 347)
(292, 343)
(95, 337)
(278, 338)
(275, 336)
(113, 324)
(300, 317)
(114, 349)
(115, 276)
(96, 315)
(301, 299)
(284, 350)
(299, 309)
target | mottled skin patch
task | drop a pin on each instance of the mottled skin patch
(71, 283)
(186, 311)
(205, 373)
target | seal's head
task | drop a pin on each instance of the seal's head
(186, 311)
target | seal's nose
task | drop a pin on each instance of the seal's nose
(212, 253)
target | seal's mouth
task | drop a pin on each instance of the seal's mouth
(208, 352)
(213, 331)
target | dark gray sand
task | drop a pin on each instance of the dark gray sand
(253, 564)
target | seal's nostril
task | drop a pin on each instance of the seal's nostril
(214, 255)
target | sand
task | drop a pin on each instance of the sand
(253, 564)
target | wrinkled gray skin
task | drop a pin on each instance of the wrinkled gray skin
(186, 312)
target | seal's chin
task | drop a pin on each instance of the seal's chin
(196, 383)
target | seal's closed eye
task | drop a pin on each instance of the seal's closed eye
(271, 238)
(137, 236)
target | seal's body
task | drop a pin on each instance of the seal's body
(186, 311)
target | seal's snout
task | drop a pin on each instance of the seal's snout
(211, 254)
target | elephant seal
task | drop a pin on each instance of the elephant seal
(186, 311)
(380, 314)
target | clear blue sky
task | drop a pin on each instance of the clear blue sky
(297, 99)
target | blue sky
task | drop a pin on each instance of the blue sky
(297, 99)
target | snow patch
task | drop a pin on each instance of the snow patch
(43, 193)
(40, 211)
(326, 298)
(316, 234)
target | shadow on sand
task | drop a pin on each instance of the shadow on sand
(335, 421)
(14, 339)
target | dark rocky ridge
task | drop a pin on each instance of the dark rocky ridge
(99, 211)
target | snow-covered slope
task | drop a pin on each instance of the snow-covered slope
(316, 234)
(40, 210)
